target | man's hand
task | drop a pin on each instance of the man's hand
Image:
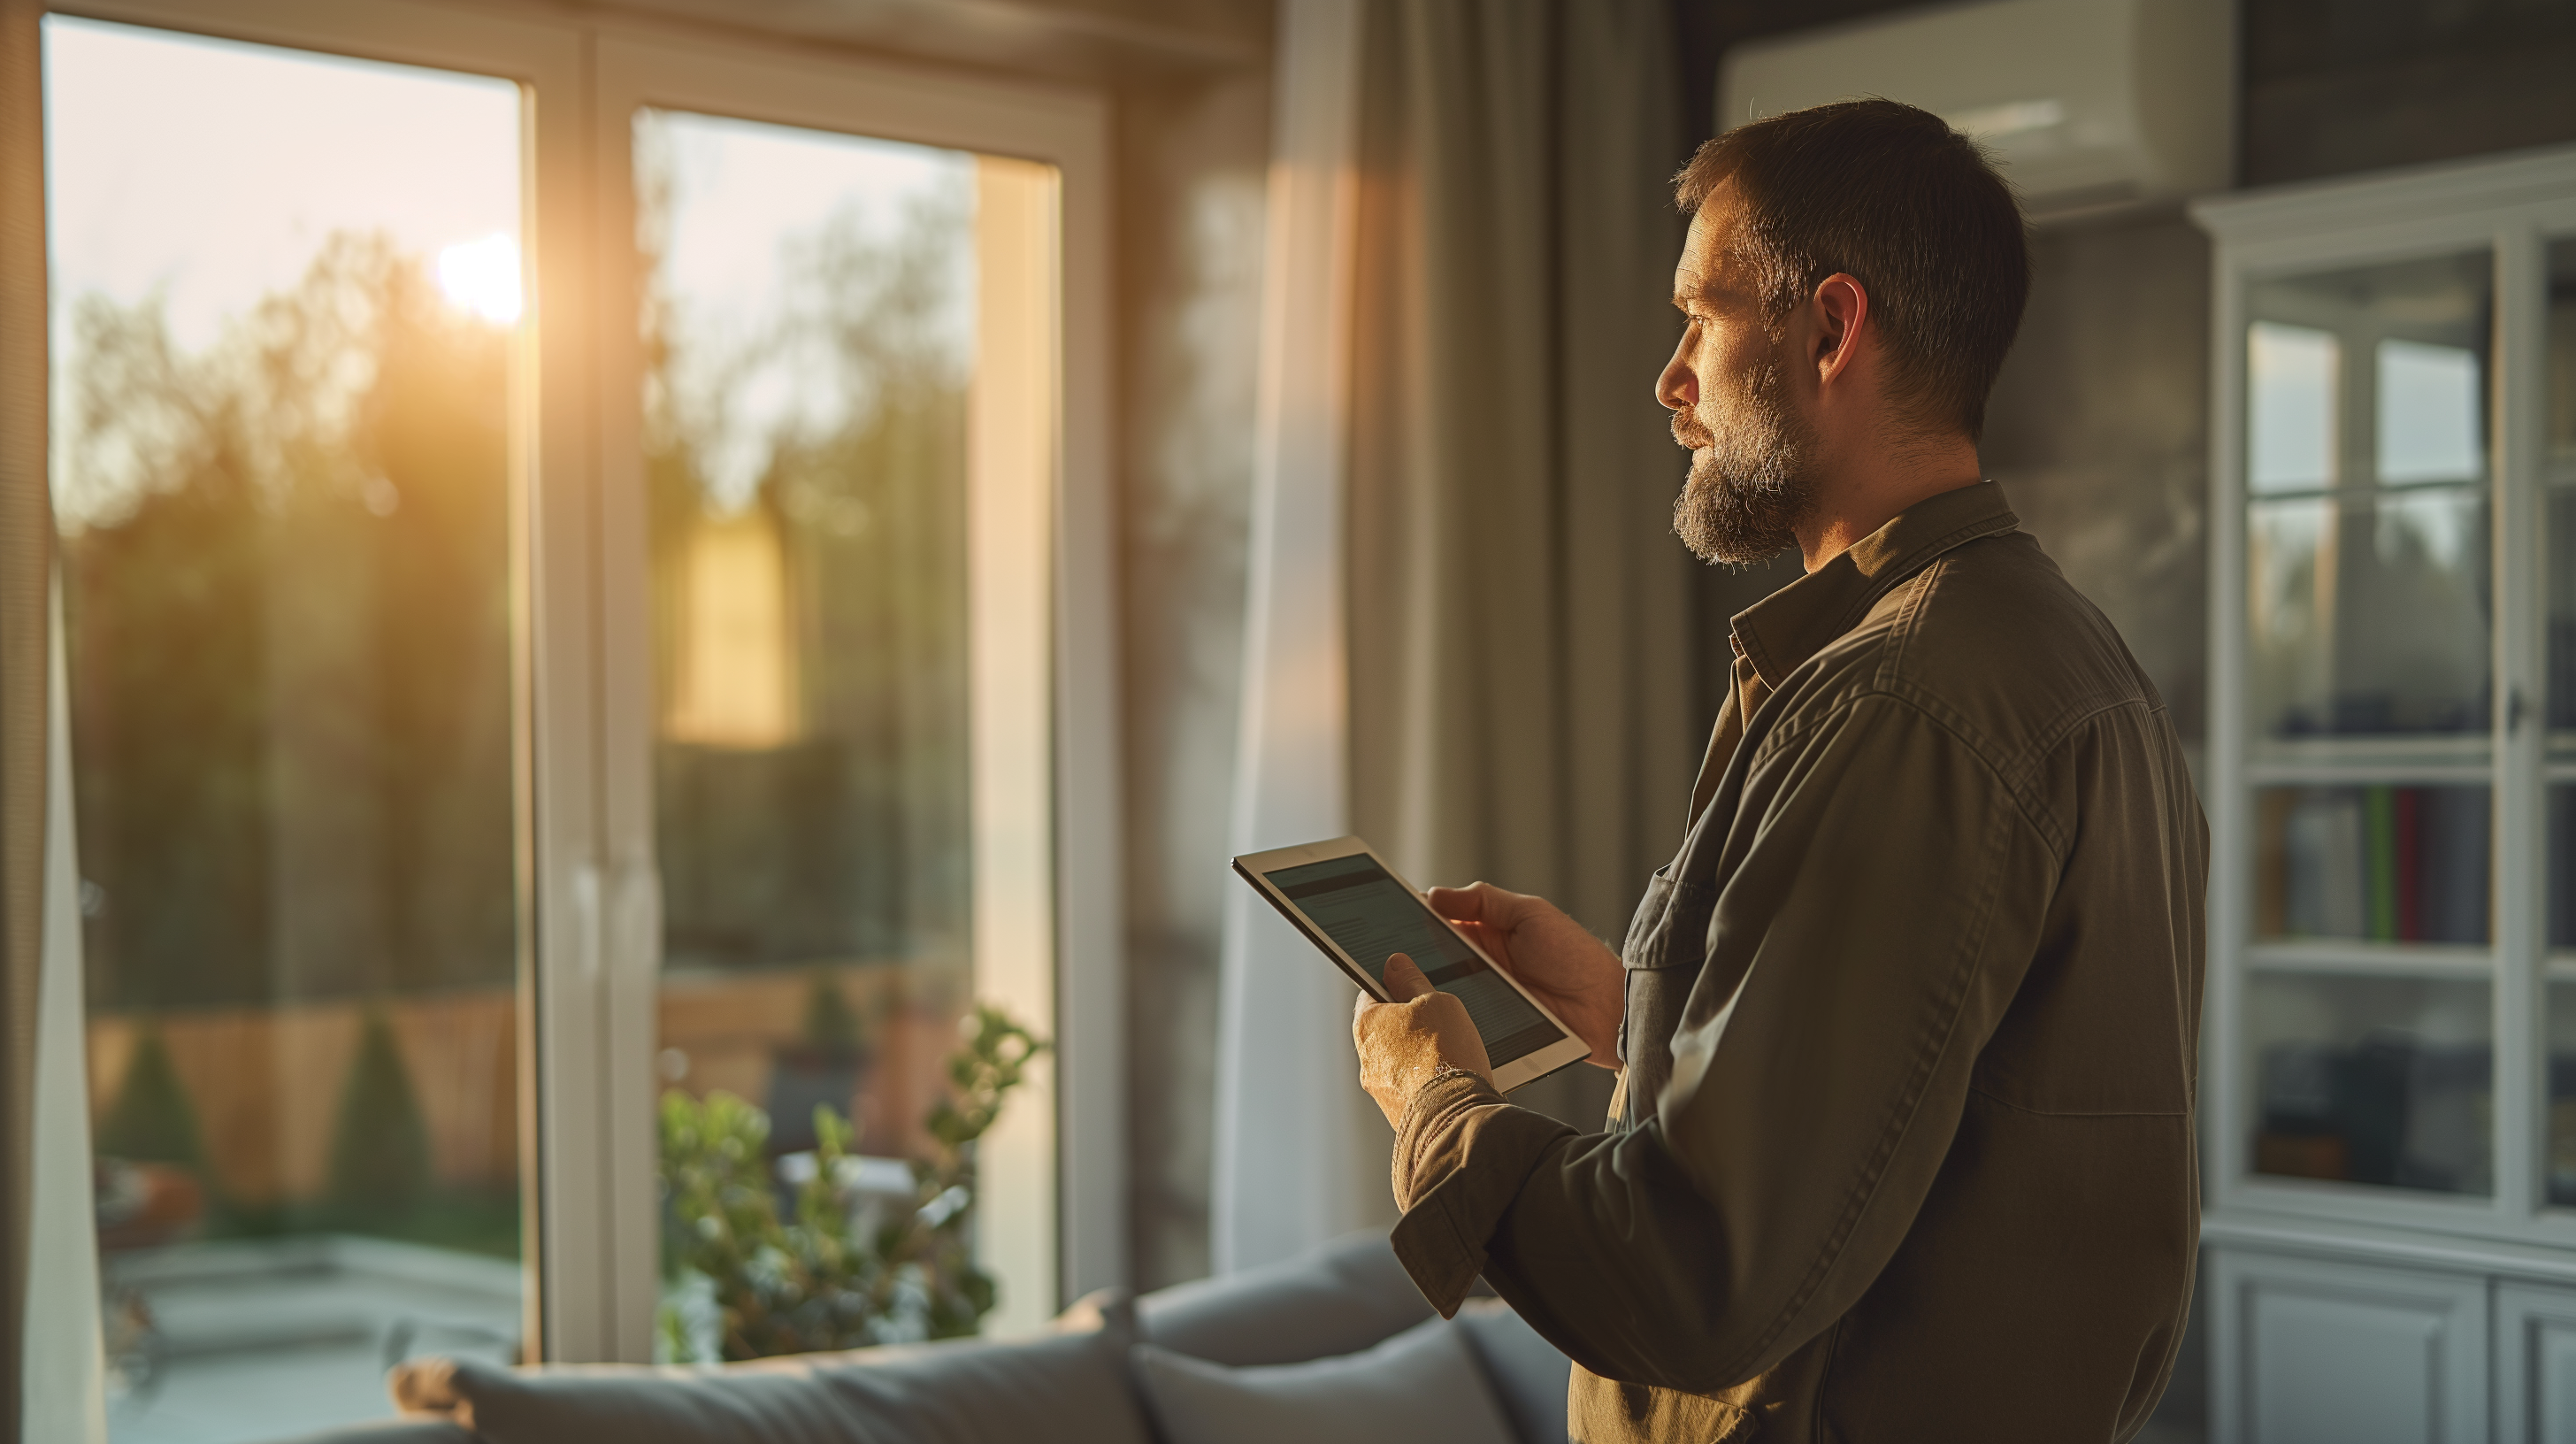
(1403, 1043)
(1550, 954)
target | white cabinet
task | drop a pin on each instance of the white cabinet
(2388, 1100)
(2330, 1352)
(2535, 1364)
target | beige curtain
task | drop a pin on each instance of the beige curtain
(1520, 703)
(26, 555)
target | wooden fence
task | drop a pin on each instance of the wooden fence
(266, 1084)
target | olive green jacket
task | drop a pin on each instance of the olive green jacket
(1903, 1149)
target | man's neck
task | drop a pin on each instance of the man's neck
(1859, 500)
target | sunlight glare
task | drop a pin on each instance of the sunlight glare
(482, 276)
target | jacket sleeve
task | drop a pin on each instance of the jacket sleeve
(1884, 894)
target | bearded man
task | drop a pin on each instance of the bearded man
(1906, 1034)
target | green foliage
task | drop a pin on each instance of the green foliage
(151, 1120)
(286, 587)
(834, 1276)
(994, 1061)
(380, 1150)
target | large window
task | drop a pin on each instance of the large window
(285, 291)
(585, 587)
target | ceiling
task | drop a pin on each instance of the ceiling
(1094, 40)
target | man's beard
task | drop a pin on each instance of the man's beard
(1748, 486)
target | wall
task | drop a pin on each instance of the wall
(2337, 86)
(2098, 433)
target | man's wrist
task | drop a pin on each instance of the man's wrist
(1425, 1150)
(1450, 1207)
(1452, 1070)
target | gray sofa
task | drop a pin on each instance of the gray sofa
(1113, 1371)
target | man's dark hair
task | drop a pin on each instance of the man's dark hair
(1913, 209)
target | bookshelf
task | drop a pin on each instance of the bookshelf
(2388, 1104)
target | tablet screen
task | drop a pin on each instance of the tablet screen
(1369, 915)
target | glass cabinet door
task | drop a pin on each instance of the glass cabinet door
(2558, 510)
(2368, 712)
(2367, 494)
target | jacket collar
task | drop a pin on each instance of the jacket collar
(1779, 633)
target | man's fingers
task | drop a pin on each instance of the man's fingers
(1480, 902)
(1477, 902)
(1404, 981)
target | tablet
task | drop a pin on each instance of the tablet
(1349, 903)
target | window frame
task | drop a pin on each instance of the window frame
(589, 933)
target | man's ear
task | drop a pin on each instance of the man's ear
(1842, 319)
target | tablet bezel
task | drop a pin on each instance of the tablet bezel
(1255, 867)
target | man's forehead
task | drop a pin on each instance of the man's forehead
(1708, 251)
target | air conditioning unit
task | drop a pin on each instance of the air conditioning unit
(2090, 105)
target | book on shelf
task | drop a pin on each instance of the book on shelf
(2381, 863)
(2383, 1107)
(2562, 866)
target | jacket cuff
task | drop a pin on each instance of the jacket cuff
(1461, 1155)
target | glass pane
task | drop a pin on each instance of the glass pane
(284, 290)
(2367, 535)
(2562, 1039)
(2561, 573)
(2372, 1080)
(2561, 564)
(811, 328)
(2293, 377)
(2561, 382)
(2379, 864)
(2560, 883)
(2369, 613)
(2432, 411)
(2562, 876)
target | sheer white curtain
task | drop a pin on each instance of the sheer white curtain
(50, 1365)
(1289, 1166)
(51, 1371)
(1469, 613)
(65, 1366)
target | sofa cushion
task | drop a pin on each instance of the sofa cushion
(1068, 1386)
(1529, 1375)
(1422, 1386)
(1337, 1298)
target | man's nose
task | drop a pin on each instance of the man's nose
(1678, 387)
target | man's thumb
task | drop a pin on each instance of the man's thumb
(1404, 981)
